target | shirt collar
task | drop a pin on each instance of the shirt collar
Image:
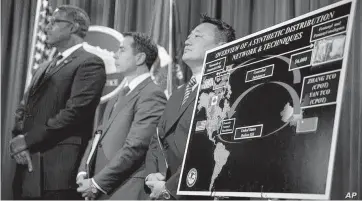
(198, 80)
(136, 81)
(70, 50)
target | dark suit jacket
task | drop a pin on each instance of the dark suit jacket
(173, 131)
(126, 136)
(56, 116)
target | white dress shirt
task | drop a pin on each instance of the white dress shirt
(198, 80)
(136, 81)
(66, 53)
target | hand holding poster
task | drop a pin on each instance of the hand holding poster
(268, 109)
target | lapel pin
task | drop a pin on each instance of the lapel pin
(66, 61)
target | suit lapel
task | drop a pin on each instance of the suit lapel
(172, 116)
(107, 111)
(123, 102)
(37, 75)
(56, 68)
(182, 110)
(60, 65)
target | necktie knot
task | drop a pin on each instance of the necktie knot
(192, 82)
(59, 57)
(125, 90)
(53, 63)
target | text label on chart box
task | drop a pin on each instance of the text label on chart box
(215, 66)
(330, 28)
(227, 126)
(307, 125)
(320, 89)
(300, 60)
(259, 73)
(200, 125)
(248, 132)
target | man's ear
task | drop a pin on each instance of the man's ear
(74, 28)
(140, 58)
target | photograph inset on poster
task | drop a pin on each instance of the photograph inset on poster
(266, 114)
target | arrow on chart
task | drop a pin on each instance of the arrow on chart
(296, 73)
(237, 101)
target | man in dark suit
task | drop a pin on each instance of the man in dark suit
(54, 120)
(164, 159)
(115, 165)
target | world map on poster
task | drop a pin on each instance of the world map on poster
(264, 116)
(215, 112)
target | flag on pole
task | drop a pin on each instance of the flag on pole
(39, 51)
(179, 74)
(175, 76)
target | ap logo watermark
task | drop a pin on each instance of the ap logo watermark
(351, 195)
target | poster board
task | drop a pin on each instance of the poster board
(267, 111)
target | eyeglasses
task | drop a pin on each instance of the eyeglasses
(52, 21)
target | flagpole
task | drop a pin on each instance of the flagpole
(32, 49)
(170, 45)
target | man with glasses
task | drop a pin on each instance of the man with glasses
(55, 118)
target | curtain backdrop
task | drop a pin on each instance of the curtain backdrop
(17, 19)
(151, 16)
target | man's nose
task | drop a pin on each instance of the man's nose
(188, 42)
(115, 55)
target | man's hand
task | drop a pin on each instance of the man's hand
(17, 144)
(152, 182)
(86, 189)
(155, 177)
(23, 158)
(80, 177)
(157, 187)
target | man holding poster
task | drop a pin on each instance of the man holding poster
(268, 111)
(165, 155)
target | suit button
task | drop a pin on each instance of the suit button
(100, 145)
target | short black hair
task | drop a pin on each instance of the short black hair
(226, 31)
(143, 43)
(77, 15)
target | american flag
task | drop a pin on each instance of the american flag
(40, 52)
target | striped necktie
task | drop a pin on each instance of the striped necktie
(188, 89)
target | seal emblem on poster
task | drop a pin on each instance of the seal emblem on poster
(191, 177)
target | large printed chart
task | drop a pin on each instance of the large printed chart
(266, 117)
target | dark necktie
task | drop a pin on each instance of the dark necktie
(188, 89)
(124, 91)
(46, 72)
(53, 63)
(122, 94)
